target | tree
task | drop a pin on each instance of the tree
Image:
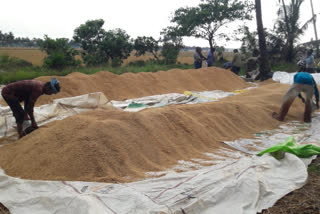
(172, 43)
(263, 62)
(89, 36)
(249, 41)
(99, 45)
(116, 46)
(288, 25)
(6, 38)
(146, 44)
(205, 20)
(274, 43)
(59, 53)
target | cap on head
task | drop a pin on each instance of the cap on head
(55, 85)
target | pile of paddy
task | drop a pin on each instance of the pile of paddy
(117, 146)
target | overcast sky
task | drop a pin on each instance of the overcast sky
(59, 18)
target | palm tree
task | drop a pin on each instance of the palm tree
(315, 28)
(264, 61)
(288, 24)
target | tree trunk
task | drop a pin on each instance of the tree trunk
(315, 29)
(211, 41)
(264, 61)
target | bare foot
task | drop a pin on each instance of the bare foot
(275, 115)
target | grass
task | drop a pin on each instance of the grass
(314, 168)
(283, 66)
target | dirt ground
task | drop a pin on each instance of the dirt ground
(110, 145)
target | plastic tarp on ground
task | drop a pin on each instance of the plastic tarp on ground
(59, 109)
(246, 185)
(287, 78)
(188, 97)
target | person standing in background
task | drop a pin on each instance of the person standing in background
(310, 61)
(210, 57)
(236, 62)
(198, 57)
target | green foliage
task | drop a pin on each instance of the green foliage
(146, 44)
(116, 45)
(284, 66)
(170, 53)
(172, 43)
(6, 38)
(8, 63)
(274, 43)
(288, 27)
(9, 40)
(59, 53)
(116, 62)
(99, 45)
(205, 20)
(137, 63)
(314, 168)
(89, 36)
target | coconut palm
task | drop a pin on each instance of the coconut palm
(289, 26)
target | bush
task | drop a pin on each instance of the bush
(8, 63)
(137, 63)
(60, 54)
(116, 62)
(170, 53)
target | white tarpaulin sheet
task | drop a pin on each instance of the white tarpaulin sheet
(287, 78)
(247, 185)
(188, 97)
(59, 109)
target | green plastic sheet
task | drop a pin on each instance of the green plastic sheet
(136, 105)
(290, 145)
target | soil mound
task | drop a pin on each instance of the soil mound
(131, 85)
(117, 146)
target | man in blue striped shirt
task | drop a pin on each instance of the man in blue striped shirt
(302, 82)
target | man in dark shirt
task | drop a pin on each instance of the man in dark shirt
(27, 91)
